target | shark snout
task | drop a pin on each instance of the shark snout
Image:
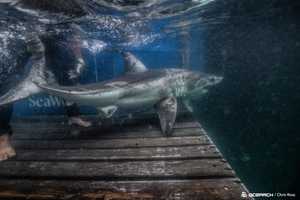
(212, 80)
(216, 79)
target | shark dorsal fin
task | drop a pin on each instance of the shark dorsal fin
(133, 64)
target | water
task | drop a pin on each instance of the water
(252, 116)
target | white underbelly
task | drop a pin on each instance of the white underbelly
(137, 102)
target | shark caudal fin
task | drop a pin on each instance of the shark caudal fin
(133, 64)
(37, 73)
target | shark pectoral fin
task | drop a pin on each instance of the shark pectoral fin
(167, 111)
(108, 111)
(133, 64)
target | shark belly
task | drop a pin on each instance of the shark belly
(143, 95)
(136, 102)
(96, 99)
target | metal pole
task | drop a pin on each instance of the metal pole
(185, 52)
(96, 67)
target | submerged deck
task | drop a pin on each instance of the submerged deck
(132, 161)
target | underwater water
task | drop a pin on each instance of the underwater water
(253, 115)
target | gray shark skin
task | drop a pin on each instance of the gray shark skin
(36, 74)
(140, 88)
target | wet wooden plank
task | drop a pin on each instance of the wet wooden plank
(100, 134)
(63, 125)
(122, 118)
(207, 189)
(131, 160)
(152, 153)
(58, 122)
(112, 143)
(118, 170)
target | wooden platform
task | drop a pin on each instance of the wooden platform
(128, 161)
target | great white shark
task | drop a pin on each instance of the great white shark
(139, 87)
(37, 73)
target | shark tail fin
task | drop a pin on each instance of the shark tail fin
(37, 73)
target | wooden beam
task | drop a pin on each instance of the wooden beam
(111, 143)
(51, 134)
(206, 189)
(118, 170)
(149, 153)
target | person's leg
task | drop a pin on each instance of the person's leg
(74, 74)
(71, 77)
(64, 58)
(6, 149)
(72, 109)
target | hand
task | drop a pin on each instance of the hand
(79, 67)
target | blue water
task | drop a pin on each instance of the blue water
(253, 115)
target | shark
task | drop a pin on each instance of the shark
(139, 87)
(37, 72)
(33, 36)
